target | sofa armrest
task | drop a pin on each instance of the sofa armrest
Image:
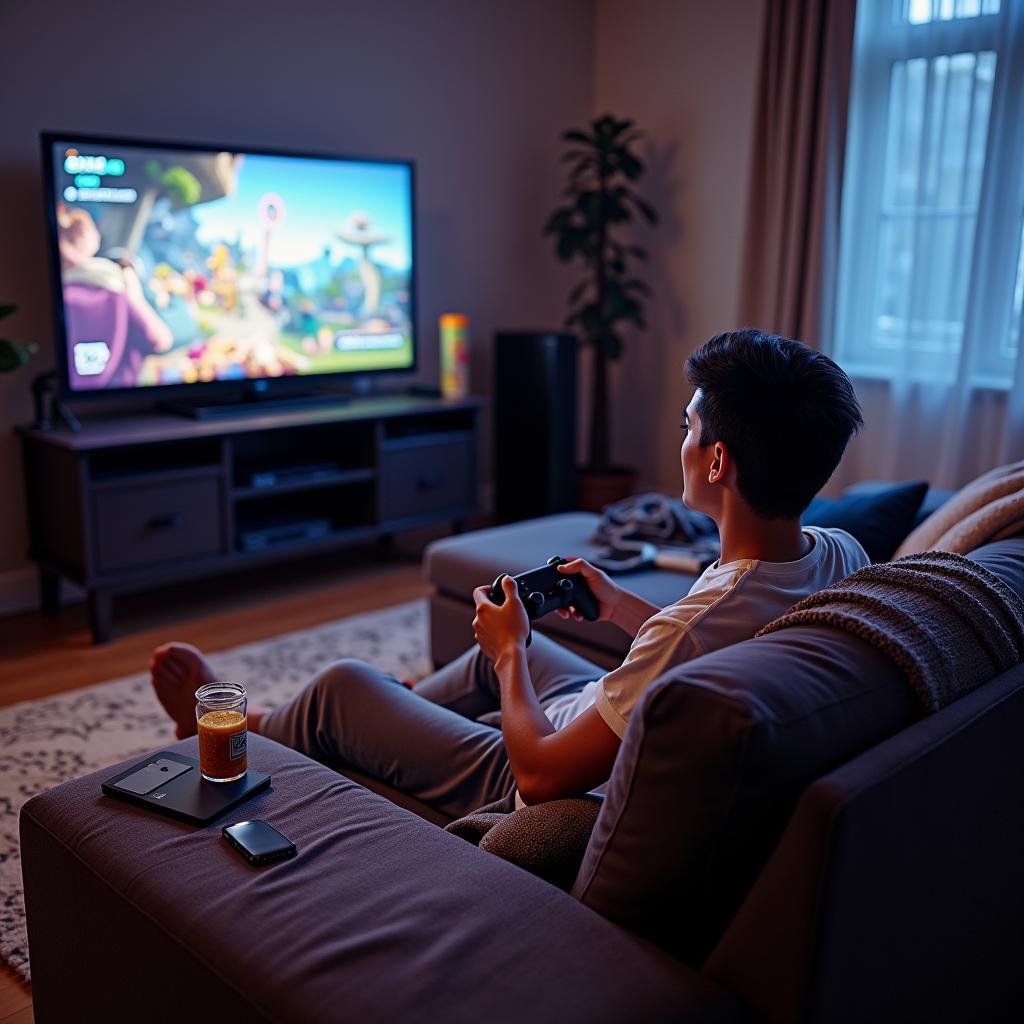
(381, 916)
(896, 884)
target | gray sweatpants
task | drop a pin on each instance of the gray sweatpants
(426, 743)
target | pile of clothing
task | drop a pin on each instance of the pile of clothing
(652, 529)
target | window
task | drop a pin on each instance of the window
(931, 274)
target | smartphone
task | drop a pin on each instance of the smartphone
(259, 842)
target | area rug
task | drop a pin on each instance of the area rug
(45, 742)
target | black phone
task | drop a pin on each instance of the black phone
(259, 842)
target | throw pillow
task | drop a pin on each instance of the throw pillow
(989, 508)
(880, 521)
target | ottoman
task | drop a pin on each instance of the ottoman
(454, 566)
(382, 916)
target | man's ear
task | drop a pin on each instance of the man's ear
(719, 465)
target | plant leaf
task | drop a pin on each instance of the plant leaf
(631, 166)
(13, 355)
(7, 310)
(556, 221)
(591, 319)
(645, 208)
(635, 284)
(577, 136)
(577, 292)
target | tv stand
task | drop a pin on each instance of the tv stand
(249, 403)
(136, 502)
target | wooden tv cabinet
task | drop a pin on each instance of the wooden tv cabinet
(134, 502)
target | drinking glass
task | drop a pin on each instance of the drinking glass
(222, 722)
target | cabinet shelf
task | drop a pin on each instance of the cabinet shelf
(130, 503)
(310, 483)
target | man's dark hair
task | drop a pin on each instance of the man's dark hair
(784, 411)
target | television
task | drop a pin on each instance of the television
(191, 270)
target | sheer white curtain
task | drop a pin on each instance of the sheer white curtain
(931, 274)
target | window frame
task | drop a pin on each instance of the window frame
(992, 260)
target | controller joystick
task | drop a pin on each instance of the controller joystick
(545, 589)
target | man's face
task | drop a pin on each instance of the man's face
(698, 494)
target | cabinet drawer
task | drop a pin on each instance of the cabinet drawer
(427, 479)
(156, 522)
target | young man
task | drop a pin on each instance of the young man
(767, 425)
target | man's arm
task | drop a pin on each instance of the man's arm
(547, 763)
(632, 612)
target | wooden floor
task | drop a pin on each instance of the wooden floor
(43, 655)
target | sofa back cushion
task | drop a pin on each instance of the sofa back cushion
(879, 520)
(714, 759)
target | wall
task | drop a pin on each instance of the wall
(687, 73)
(476, 92)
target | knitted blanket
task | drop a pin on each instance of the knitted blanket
(947, 622)
(547, 839)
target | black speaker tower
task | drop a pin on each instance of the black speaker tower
(534, 424)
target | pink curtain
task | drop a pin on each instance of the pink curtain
(792, 243)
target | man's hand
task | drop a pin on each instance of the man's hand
(500, 629)
(608, 594)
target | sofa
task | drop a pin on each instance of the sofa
(785, 838)
(454, 566)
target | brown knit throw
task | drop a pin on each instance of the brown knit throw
(949, 623)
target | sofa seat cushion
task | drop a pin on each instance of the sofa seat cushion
(455, 566)
(381, 916)
(714, 759)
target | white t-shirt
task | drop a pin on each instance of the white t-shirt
(728, 603)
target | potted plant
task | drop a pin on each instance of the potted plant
(599, 201)
(13, 354)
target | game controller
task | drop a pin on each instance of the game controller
(545, 589)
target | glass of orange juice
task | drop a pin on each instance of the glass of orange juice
(221, 718)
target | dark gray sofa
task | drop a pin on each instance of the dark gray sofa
(784, 839)
(454, 566)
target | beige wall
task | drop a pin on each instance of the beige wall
(687, 73)
(476, 91)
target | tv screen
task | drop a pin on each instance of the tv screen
(181, 266)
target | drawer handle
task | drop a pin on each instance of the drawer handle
(171, 521)
(429, 482)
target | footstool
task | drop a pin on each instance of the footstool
(454, 566)
(382, 916)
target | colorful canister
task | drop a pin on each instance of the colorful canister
(454, 355)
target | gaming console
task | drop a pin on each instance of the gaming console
(259, 538)
(545, 589)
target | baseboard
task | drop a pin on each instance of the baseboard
(19, 591)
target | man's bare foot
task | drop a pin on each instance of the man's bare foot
(179, 670)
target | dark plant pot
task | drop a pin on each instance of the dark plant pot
(595, 490)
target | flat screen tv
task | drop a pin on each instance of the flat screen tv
(191, 269)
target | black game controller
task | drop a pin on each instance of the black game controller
(545, 589)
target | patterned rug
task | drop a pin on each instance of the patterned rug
(45, 742)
